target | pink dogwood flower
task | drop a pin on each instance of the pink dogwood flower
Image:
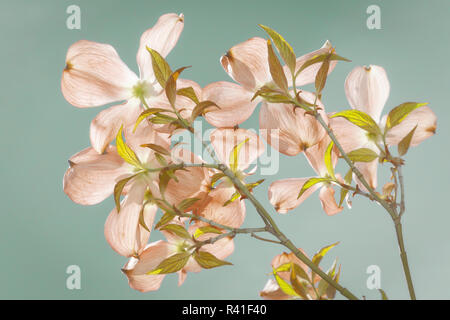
(367, 89)
(95, 75)
(247, 64)
(137, 268)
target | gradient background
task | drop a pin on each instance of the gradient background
(42, 231)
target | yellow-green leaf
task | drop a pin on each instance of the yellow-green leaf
(399, 113)
(322, 252)
(233, 198)
(188, 93)
(403, 146)
(125, 151)
(177, 230)
(187, 203)
(283, 268)
(329, 159)
(166, 218)
(171, 86)
(157, 148)
(360, 119)
(276, 70)
(284, 48)
(208, 229)
(160, 66)
(142, 219)
(348, 181)
(362, 155)
(147, 113)
(216, 177)
(300, 272)
(320, 58)
(172, 264)
(321, 76)
(234, 155)
(285, 286)
(298, 286)
(383, 294)
(201, 108)
(208, 261)
(309, 183)
(118, 188)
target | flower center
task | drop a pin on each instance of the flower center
(143, 89)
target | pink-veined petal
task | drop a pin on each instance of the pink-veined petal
(350, 136)
(367, 90)
(369, 172)
(162, 37)
(92, 176)
(213, 208)
(234, 102)
(329, 204)
(95, 75)
(283, 193)
(290, 130)
(316, 156)
(247, 63)
(136, 269)
(225, 140)
(122, 229)
(426, 122)
(107, 123)
(308, 75)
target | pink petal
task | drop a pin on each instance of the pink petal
(95, 75)
(369, 172)
(329, 204)
(92, 176)
(308, 75)
(316, 156)
(284, 258)
(367, 90)
(350, 136)
(426, 122)
(272, 291)
(290, 130)
(122, 230)
(232, 215)
(107, 123)
(136, 269)
(234, 102)
(283, 193)
(225, 140)
(247, 63)
(162, 37)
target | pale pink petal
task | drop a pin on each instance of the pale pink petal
(329, 204)
(272, 291)
(136, 269)
(426, 122)
(182, 275)
(225, 140)
(213, 208)
(162, 37)
(107, 123)
(367, 90)
(92, 176)
(247, 63)
(284, 258)
(122, 229)
(350, 136)
(316, 156)
(369, 172)
(234, 102)
(283, 193)
(308, 75)
(290, 130)
(95, 75)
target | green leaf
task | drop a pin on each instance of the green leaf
(216, 177)
(272, 95)
(253, 185)
(172, 264)
(399, 113)
(208, 229)
(161, 68)
(188, 93)
(309, 183)
(348, 180)
(283, 268)
(322, 287)
(118, 188)
(177, 230)
(208, 261)
(233, 198)
(166, 218)
(320, 58)
(171, 86)
(322, 252)
(403, 146)
(201, 107)
(284, 48)
(160, 118)
(300, 272)
(164, 179)
(360, 119)
(298, 286)
(157, 148)
(276, 70)
(383, 294)
(142, 219)
(125, 151)
(285, 287)
(328, 159)
(186, 203)
(147, 113)
(362, 155)
(161, 160)
(234, 155)
(321, 76)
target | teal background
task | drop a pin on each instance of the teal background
(42, 231)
